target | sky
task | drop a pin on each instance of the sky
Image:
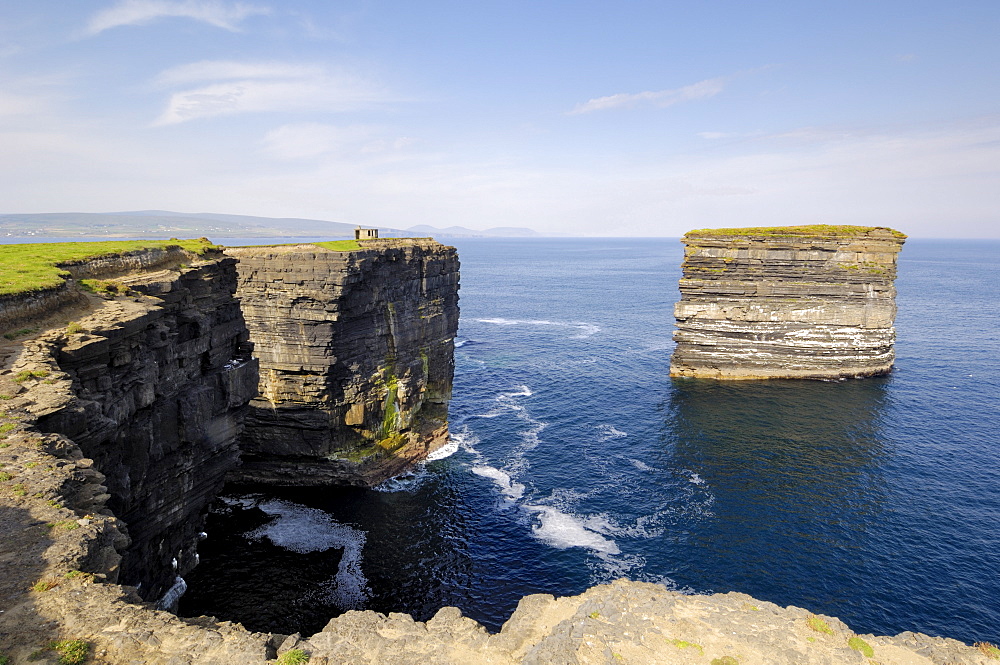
(626, 118)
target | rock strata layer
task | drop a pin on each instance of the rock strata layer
(815, 302)
(156, 392)
(356, 354)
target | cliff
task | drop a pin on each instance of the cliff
(814, 302)
(356, 352)
(152, 387)
(135, 411)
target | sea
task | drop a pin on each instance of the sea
(575, 460)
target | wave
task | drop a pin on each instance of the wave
(447, 450)
(563, 530)
(405, 482)
(609, 432)
(510, 489)
(586, 329)
(301, 529)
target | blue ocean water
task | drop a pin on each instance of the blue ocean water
(575, 460)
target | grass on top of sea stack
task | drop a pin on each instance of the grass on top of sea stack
(339, 245)
(812, 230)
(35, 266)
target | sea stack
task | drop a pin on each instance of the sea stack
(787, 302)
(356, 349)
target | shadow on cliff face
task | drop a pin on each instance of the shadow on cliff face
(796, 470)
(22, 548)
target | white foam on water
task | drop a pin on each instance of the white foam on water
(510, 489)
(693, 477)
(586, 329)
(639, 464)
(447, 450)
(302, 529)
(460, 343)
(173, 595)
(563, 531)
(609, 432)
(405, 482)
(466, 439)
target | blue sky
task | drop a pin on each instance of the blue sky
(590, 118)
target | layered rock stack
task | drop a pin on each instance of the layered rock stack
(814, 302)
(357, 357)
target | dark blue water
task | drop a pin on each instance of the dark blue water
(577, 461)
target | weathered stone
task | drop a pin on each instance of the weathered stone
(356, 353)
(787, 302)
(157, 401)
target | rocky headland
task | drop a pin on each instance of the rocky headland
(356, 355)
(120, 426)
(813, 302)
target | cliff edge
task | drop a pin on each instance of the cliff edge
(799, 302)
(356, 342)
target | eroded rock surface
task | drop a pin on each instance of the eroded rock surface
(788, 302)
(153, 388)
(356, 354)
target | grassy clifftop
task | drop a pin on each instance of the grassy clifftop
(35, 266)
(812, 230)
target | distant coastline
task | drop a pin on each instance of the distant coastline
(165, 223)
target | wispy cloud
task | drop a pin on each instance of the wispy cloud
(139, 12)
(238, 87)
(659, 98)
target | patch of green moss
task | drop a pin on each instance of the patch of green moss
(24, 375)
(684, 644)
(988, 650)
(859, 644)
(811, 230)
(819, 625)
(4, 476)
(725, 660)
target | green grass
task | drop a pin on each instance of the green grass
(823, 230)
(14, 334)
(339, 245)
(21, 377)
(71, 652)
(33, 266)
(859, 644)
(293, 657)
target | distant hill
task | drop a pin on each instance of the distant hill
(163, 223)
(167, 224)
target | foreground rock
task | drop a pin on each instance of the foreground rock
(814, 302)
(356, 354)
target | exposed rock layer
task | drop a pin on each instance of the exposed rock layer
(804, 302)
(160, 383)
(356, 355)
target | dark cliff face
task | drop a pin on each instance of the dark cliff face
(159, 394)
(760, 306)
(356, 351)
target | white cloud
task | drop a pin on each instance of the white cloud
(262, 87)
(660, 98)
(139, 12)
(306, 140)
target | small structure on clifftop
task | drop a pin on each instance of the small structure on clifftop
(365, 234)
(810, 302)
